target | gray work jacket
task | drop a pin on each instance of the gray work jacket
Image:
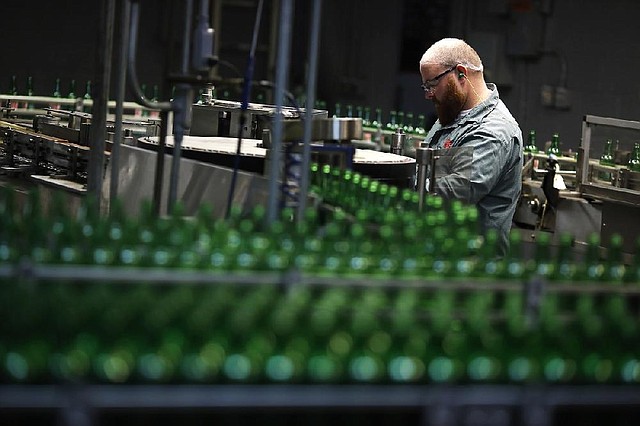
(484, 166)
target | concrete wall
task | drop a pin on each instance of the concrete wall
(587, 47)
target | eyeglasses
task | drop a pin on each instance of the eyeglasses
(429, 85)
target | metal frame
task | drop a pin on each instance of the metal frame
(585, 187)
(439, 404)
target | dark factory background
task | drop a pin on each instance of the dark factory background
(553, 61)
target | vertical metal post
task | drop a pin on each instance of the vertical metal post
(140, 98)
(121, 82)
(282, 71)
(397, 142)
(97, 133)
(424, 164)
(180, 105)
(314, 43)
(582, 176)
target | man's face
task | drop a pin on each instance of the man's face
(441, 88)
(448, 101)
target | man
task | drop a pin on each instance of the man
(483, 142)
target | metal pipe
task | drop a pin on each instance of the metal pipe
(585, 149)
(180, 106)
(140, 99)
(97, 133)
(244, 106)
(131, 68)
(314, 43)
(424, 162)
(282, 68)
(397, 142)
(159, 175)
(121, 82)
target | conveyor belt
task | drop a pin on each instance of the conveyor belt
(392, 168)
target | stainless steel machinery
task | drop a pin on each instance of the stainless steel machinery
(596, 198)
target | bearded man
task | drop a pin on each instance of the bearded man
(481, 141)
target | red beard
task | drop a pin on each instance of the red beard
(450, 105)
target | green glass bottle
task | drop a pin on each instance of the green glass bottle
(72, 89)
(592, 268)
(377, 119)
(634, 159)
(628, 369)
(205, 363)
(559, 361)
(513, 265)
(521, 357)
(615, 267)
(349, 111)
(632, 274)
(599, 321)
(28, 362)
(420, 127)
(408, 354)
(523, 368)
(606, 159)
(288, 363)
(456, 347)
(87, 97)
(445, 369)
(117, 363)
(13, 91)
(32, 223)
(155, 98)
(544, 265)
(408, 124)
(324, 367)
(377, 125)
(141, 111)
(531, 147)
(13, 88)
(29, 92)
(243, 367)
(366, 117)
(56, 94)
(323, 364)
(607, 154)
(75, 362)
(554, 148)
(392, 124)
(400, 122)
(484, 367)
(337, 110)
(565, 268)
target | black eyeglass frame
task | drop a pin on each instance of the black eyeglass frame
(431, 84)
